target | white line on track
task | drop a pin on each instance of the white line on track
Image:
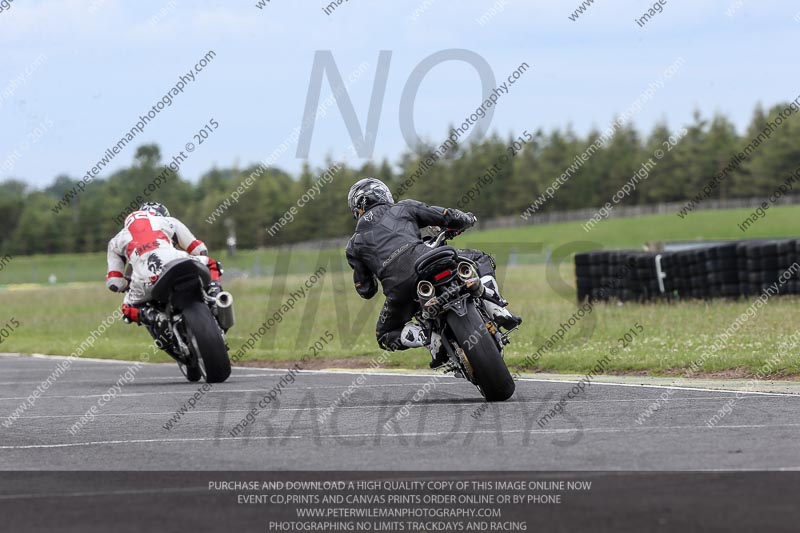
(277, 371)
(389, 435)
(413, 405)
(191, 390)
(454, 382)
(669, 387)
(178, 378)
(540, 380)
(141, 441)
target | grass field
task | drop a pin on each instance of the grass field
(632, 232)
(613, 233)
(57, 319)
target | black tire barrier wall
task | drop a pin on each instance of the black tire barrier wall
(731, 270)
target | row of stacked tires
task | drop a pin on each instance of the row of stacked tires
(728, 270)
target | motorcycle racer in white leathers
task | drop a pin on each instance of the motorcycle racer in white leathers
(147, 243)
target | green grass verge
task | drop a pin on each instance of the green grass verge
(632, 232)
(613, 233)
(78, 268)
(56, 320)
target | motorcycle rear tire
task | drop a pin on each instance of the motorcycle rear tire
(193, 374)
(206, 342)
(488, 366)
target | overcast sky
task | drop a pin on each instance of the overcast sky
(103, 63)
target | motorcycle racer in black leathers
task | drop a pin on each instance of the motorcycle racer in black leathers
(385, 246)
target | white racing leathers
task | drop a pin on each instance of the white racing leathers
(146, 243)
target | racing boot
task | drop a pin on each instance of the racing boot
(413, 336)
(504, 318)
(438, 353)
(214, 288)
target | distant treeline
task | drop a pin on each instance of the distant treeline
(504, 180)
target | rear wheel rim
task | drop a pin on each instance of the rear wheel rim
(462, 356)
(197, 354)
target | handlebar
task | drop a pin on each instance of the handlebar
(444, 235)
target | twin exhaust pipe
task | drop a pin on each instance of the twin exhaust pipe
(466, 272)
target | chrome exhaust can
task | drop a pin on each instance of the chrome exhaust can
(465, 271)
(470, 277)
(425, 289)
(224, 307)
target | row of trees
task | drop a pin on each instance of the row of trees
(30, 226)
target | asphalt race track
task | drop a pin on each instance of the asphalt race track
(448, 428)
(120, 469)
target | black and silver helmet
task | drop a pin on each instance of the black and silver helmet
(155, 208)
(367, 193)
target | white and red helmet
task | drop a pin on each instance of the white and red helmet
(155, 208)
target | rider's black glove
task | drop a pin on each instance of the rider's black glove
(462, 219)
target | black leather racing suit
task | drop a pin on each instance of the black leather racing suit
(385, 246)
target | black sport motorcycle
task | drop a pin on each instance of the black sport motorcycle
(197, 321)
(449, 294)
